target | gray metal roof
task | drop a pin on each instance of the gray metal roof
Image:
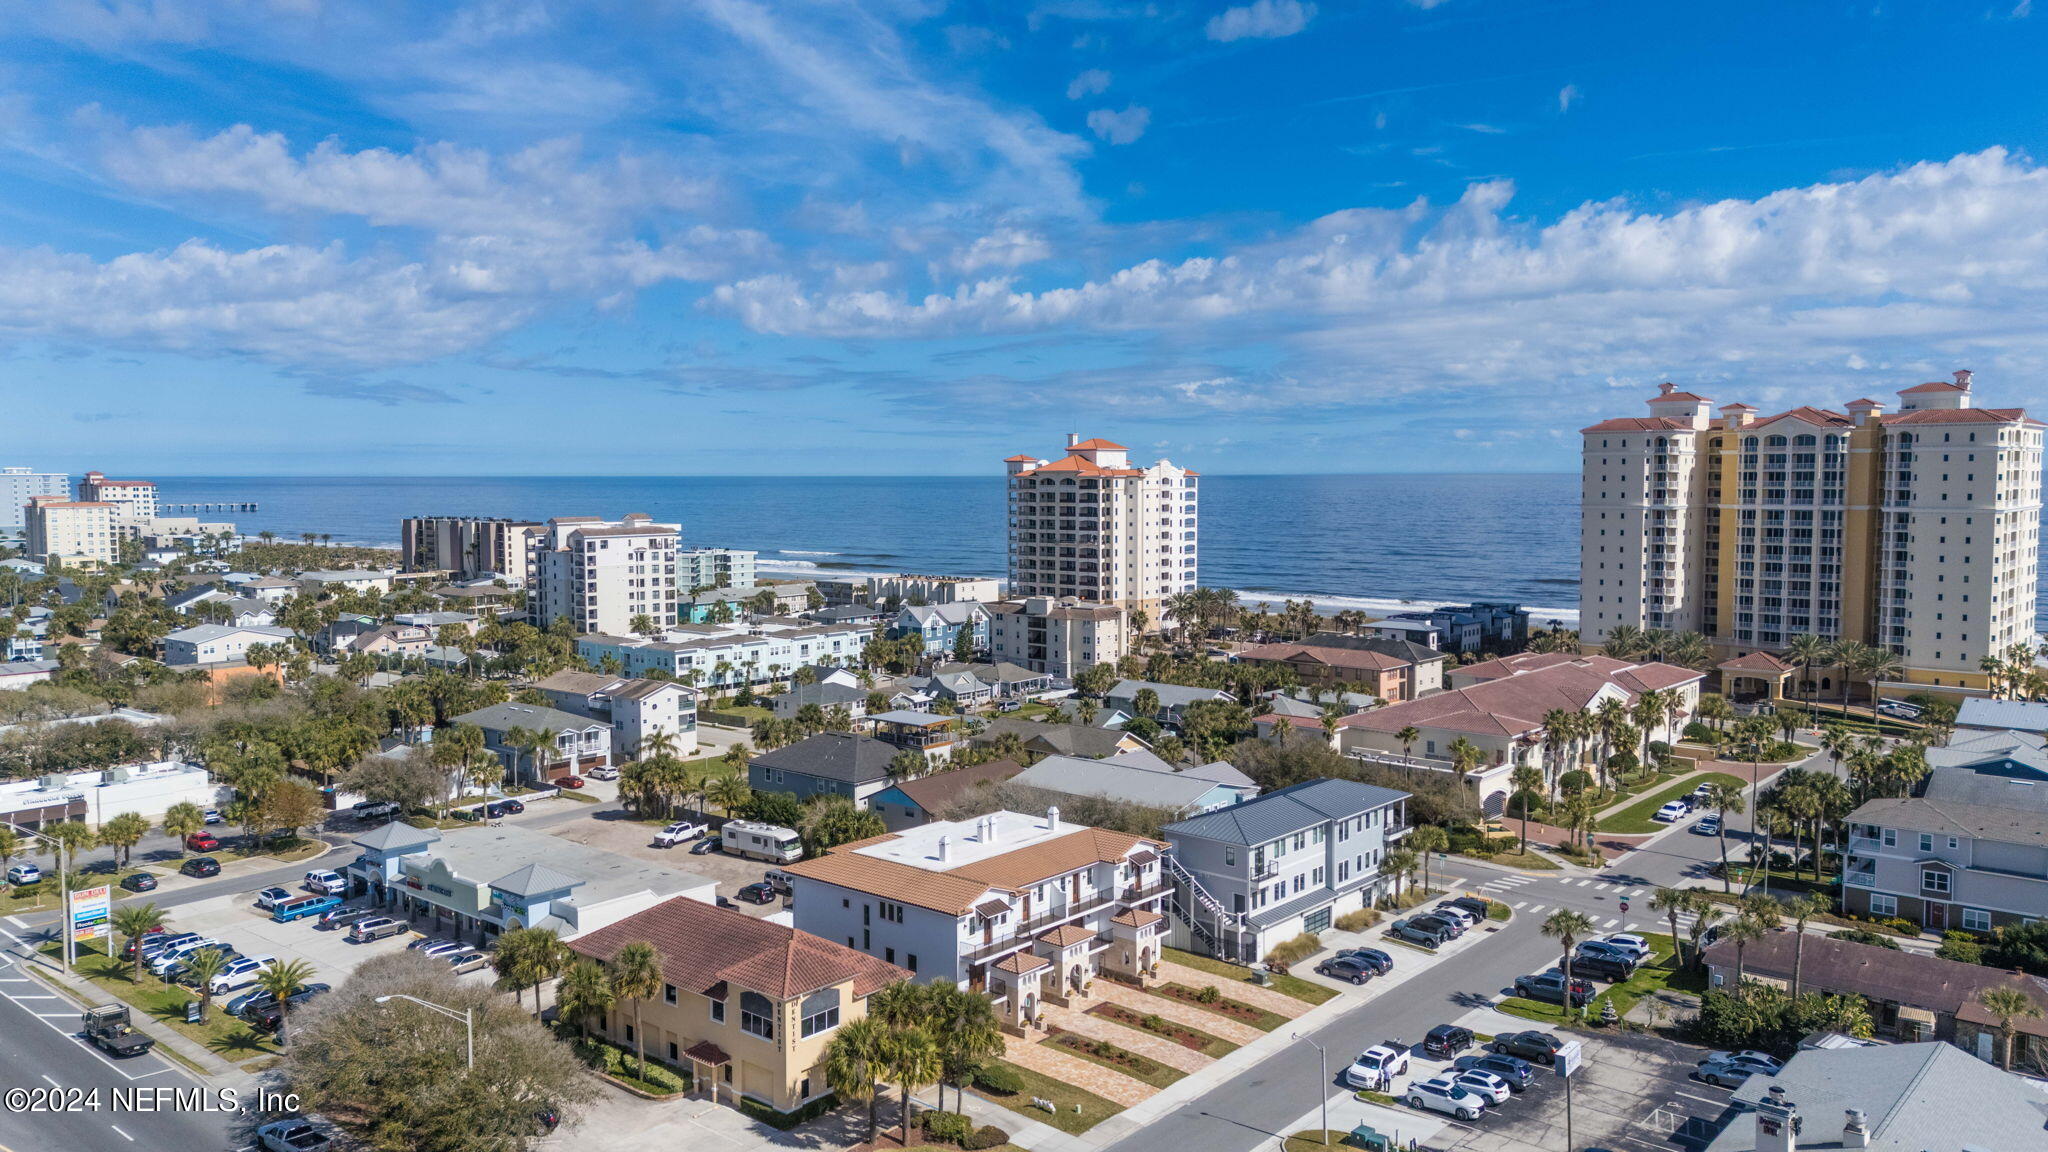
(1970, 749)
(841, 756)
(1170, 695)
(1978, 712)
(505, 717)
(397, 834)
(533, 880)
(1113, 781)
(1285, 812)
(1912, 1096)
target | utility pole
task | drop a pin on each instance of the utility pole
(1323, 1061)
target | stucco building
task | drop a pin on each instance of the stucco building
(1091, 526)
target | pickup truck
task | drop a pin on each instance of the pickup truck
(298, 908)
(107, 1028)
(678, 832)
(1377, 1066)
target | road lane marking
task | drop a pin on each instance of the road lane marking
(124, 1135)
(1611, 923)
(1521, 903)
(50, 1082)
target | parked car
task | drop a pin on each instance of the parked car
(1347, 968)
(295, 1135)
(176, 952)
(604, 772)
(1708, 825)
(1608, 966)
(570, 782)
(139, 882)
(678, 832)
(1900, 709)
(1516, 1072)
(704, 847)
(1762, 1062)
(344, 917)
(1454, 914)
(325, 881)
(270, 898)
(202, 842)
(261, 998)
(444, 948)
(155, 942)
(1726, 1072)
(1484, 1085)
(180, 972)
(24, 874)
(1426, 935)
(759, 892)
(1540, 1047)
(376, 811)
(1672, 812)
(780, 881)
(1635, 946)
(461, 962)
(1443, 1094)
(304, 906)
(1377, 1066)
(375, 928)
(212, 816)
(1479, 906)
(512, 807)
(1549, 987)
(1446, 1040)
(1380, 962)
(201, 866)
(240, 972)
(1454, 928)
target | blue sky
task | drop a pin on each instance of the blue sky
(292, 236)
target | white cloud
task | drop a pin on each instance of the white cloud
(1003, 248)
(1093, 82)
(1566, 97)
(1120, 127)
(1261, 19)
(1485, 129)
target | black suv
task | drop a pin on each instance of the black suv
(1600, 965)
(1540, 1047)
(1478, 906)
(200, 866)
(1446, 1040)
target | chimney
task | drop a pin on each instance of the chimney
(1666, 388)
(988, 835)
(1777, 1122)
(1963, 379)
(1052, 818)
(1854, 1134)
(1073, 440)
(945, 849)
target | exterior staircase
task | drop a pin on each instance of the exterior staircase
(1187, 885)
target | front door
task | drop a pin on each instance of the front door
(1937, 917)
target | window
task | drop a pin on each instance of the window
(1890, 837)
(1976, 919)
(893, 913)
(1933, 880)
(1883, 905)
(1927, 842)
(668, 993)
(718, 1011)
(820, 1011)
(757, 1015)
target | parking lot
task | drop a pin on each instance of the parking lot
(616, 830)
(237, 921)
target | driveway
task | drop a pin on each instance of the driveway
(617, 830)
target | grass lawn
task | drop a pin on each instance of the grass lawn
(1293, 986)
(222, 1034)
(1229, 1009)
(1143, 1069)
(1635, 819)
(1315, 1139)
(749, 713)
(1193, 1039)
(1517, 858)
(1078, 1110)
(1497, 910)
(32, 898)
(1657, 975)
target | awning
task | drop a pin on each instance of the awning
(1917, 1015)
(1143, 856)
(705, 1052)
(991, 908)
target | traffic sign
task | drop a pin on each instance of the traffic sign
(1568, 1058)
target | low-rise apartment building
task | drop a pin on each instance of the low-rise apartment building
(917, 589)
(580, 743)
(746, 1006)
(940, 625)
(727, 655)
(218, 643)
(1030, 904)
(1174, 699)
(326, 582)
(601, 575)
(1063, 637)
(1391, 669)
(1254, 874)
(1970, 850)
(708, 568)
(637, 710)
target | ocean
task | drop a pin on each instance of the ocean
(1372, 542)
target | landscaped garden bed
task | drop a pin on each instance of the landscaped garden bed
(1212, 1000)
(1140, 1068)
(1293, 986)
(1173, 1030)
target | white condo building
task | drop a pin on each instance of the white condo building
(1090, 526)
(1915, 531)
(600, 574)
(19, 485)
(134, 500)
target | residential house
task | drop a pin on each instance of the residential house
(964, 689)
(1254, 874)
(1421, 632)
(930, 733)
(747, 1007)
(865, 615)
(917, 589)
(346, 580)
(827, 695)
(273, 589)
(637, 710)
(908, 803)
(1970, 850)
(1912, 995)
(1470, 627)
(1010, 681)
(18, 674)
(580, 742)
(1886, 1098)
(940, 625)
(1173, 699)
(1498, 707)
(217, 643)
(1143, 779)
(1386, 668)
(435, 621)
(1033, 907)
(828, 764)
(1042, 739)
(391, 641)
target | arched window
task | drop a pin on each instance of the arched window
(1749, 442)
(1804, 441)
(757, 1015)
(820, 1011)
(1775, 442)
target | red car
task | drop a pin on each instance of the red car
(202, 842)
(571, 781)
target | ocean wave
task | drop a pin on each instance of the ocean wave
(1386, 606)
(803, 552)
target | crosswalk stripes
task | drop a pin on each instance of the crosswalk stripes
(1612, 923)
(1521, 903)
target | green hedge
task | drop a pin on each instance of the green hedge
(999, 1079)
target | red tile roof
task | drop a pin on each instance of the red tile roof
(1686, 396)
(1933, 386)
(707, 1052)
(1098, 444)
(1083, 466)
(1287, 652)
(702, 945)
(1638, 424)
(1806, 413)
(1754, 662)
(1021, 962)
(1961, 416)
(1066, 935)
(1019, 458)
(1516, 691)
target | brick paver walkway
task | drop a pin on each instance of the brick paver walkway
(1123, 1036)
(1200, 1019)
(1271, 1001)
(1027, 1052)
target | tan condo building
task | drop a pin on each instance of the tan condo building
(1913, 530)
(600, 574)
(1090, 526)
(72, 531)
(134, 500)
(468, 546)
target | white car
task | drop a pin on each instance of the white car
(1762, 1061)
(1633, 945)
(326, 881)
(1672, 812)
(1443, 1094)
(24, 874)
(1708, 825)
(1453, 912)
(240, 972)
(444, 948)
(1484, 1085)
(212, 816)
(170, 956)
(678, 832)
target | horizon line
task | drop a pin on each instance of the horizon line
(738, 475)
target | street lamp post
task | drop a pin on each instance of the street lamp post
(467, 1017)
(69, 956)
(1322, 1060)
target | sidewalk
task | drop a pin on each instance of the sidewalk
(85, 993)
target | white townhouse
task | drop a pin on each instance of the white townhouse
(725, 656)
(218, 643)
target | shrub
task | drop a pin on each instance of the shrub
(1154, 1022)
(660, 1076)
(986, 1136)
(948, 1127)
(1358, 921)
(1209, 994)
(1866, 936)
(1902, 926)
(2021, 946)
(1293, 951)
(999, 1079)
(1699, 733)
(1963, 947)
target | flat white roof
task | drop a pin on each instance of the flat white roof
(919, 847)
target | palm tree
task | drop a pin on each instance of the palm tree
(585, 992)
(855, 1059)
(1525, 780)
(912, 1059)
(1705, 914)
(1567, 927)
(1465, 756)
(1146, 703)
(1724, 798)
(1624, 642)
(1425, 839)
(2008, 1004)
(1399, 863)
(1877, 664)
(200, 968)
(1845, 655)
(728, 792)
(1801, 909)
(528, 958)
(124, 832)
(636, 976)
(133, 922)
(1672, 901)
(969, 1035)
(1808, 651)
(1408, 735)
(282, 980)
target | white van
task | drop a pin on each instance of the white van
(770, 842)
